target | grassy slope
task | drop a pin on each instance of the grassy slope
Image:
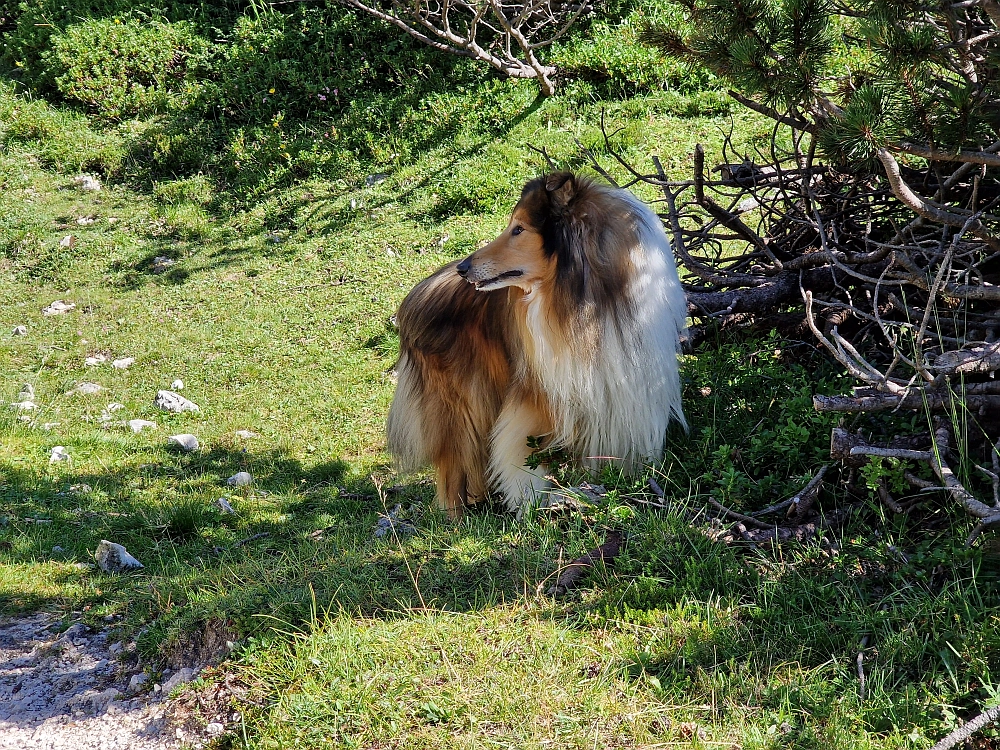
(277, 321)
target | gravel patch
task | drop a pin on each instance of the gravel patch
(69, 692)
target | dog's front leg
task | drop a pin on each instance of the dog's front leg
(523, 414)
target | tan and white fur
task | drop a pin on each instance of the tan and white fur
(565, 328)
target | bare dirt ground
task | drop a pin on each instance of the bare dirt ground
(77, 691)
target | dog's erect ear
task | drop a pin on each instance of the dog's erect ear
(561, 187)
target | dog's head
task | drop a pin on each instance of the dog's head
(525, 253)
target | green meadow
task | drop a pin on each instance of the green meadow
(274, 180)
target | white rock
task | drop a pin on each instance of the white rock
(137, 682)
(178, 678)
(226, 507)
(214, 729)
(58, 308)
(49, 425)
(246, 434)
(114, 558)
(86, 389)
(177, 385)
(162, 263)
(186, 442)
(67, 241)
(113, 407)
(84, 221)
(95, 360)
(20, 331)
(175, 402)
(102, 699)
(59, 453)
(87, 182)
(24, 418)
(240, 479)
(27, 392)
(124, 363)
(23, 406)
(138, 425)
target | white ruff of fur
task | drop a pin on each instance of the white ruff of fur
(615, 395)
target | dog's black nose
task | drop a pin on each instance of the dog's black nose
(463, 267)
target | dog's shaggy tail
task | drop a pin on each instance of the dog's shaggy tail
(405, 431)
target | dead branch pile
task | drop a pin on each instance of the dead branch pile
(895, 275)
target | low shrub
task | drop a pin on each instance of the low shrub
(120, 68)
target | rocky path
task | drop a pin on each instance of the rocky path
(75, 691)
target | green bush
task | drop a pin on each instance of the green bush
(27, 26)
(122, 68)
(311, 63)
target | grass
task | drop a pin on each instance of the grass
(276, 317)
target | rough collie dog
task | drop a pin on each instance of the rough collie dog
(564, 329)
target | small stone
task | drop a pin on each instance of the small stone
(49, 425)
(114, 558)
(82, 489)
(246, 434)
(75, 631)
(240, 479)
(226, 507)
(137, 683)
(178, 678)
(58, 454)
(374, 179)
(103, 698)
(162, 263)
(95, 360)
(23, 406)
(86, 389)
(20, 331)
(124, 363)
(214, 729)
(67, 241)
(174, 402)
(186, 442)
(115, 648)
(84, 221)
(58, 308)
(87, 182)
(138, 425)
(392, 524)
(113, 407)
(57, 549)
(27, 392)
(177, 385)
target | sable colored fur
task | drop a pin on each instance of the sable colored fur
(566, 328)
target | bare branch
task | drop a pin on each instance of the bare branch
(505, 35)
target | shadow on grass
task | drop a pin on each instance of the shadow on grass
(299, 535)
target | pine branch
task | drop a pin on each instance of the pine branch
(792, 122)
(936, 154)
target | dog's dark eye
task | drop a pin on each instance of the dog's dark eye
(517, 230)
